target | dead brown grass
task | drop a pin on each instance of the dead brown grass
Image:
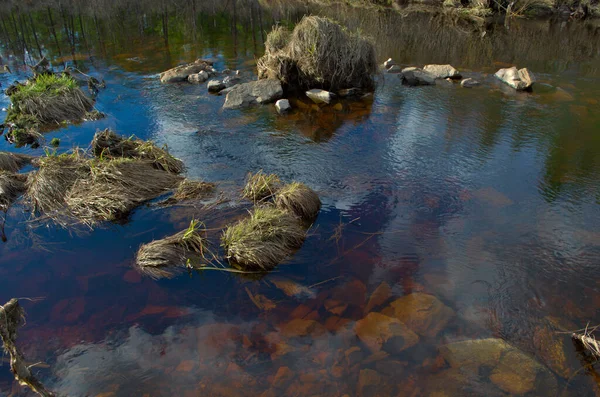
(319, 53)
(13, 162)
(12, 186)
(261, 186)
(300, 200)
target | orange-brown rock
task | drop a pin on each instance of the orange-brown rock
(381, 294)
(424, 314)
(378, 331)
(301, 327)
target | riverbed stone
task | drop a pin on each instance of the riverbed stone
(198, 78)
(389, 63)
(283, 106)
(550, 348)
(215, 86)
(414, 76)
(424, 314)
(507, 367)
(182, 72)
(519, 79)
(469, 83)
(394, 69)
(442, 71)
(378, 332)
(320, 96)
(253, 92)
(346, 92)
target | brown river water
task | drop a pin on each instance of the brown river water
(456, 250)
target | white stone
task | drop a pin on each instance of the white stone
(319, 96)
(283, 106)
(389, 63)
(469, 83)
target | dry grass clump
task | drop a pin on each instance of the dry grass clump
(167, 257)
(260, 186)
(50, 99)
(115, 187)
(11, 187)
(47, 188)
(107, 144)
(300, 200)
(264, 239)
(193, 190)
(13, 162)
(319, 53)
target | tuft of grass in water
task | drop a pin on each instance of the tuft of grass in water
(319, 53)
(55, 142)
(264, 239)
(108, 144)
(167, 257)
(13, 162)
(11, 187)
(300, 200)
(261, 186)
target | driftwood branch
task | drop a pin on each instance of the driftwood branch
(12, 317)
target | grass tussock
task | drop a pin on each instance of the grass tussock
(12, 186)
(115, 187)
(50, 99)
(319, 53)
(300, 200)
(261, 186)
(107, 144)
(13, 162)
(193, 190)
(57, 173)
(167, 257)
(264, 239)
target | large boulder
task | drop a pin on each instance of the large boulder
(520, 80)
(442, 71)
(182, 72)
(507, 367)
(254, 92)
(424, 314)
(415, 76)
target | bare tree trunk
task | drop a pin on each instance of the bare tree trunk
(35, 37)
(53, 31)
(7, 35)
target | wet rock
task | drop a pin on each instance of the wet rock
(520, 80)
(301, 327)
(414, 76)
(550, 348)
(225, 91)
(226, 71)
(254, 92)
(198, 78)
(444, 82)
(354, 355)
(181, 73)
(378, 331)
(335, 307)
(389, 63)
(283, 106)
(442, 71)
(381, 294)
(353, 293)
(508, 368)
(320, 96)
(370, 383)
(469, 83)
(424, 314)
(347, 92)
(283, 377)
(459, 382)
(215, 86)
(395, 69)
(230, 81)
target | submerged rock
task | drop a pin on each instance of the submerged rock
(348, 92)
(320, 96)
(423, 313)
(215, 86)
(442, 71)
(520, 80)
(389, 63)
(378, 331)
(394, 69)
(254, 92)
(507, 367)
(182, 72)
(198, 78)
(415, 76)
(469, 83)
(283, 106)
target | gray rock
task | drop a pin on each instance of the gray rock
(415, 76)
(181, 73)
(319, 96)
(442, 71)
(254, 92)
(226, 71)
(230, 81)
(394, 69)
(227, 90)
(346, 92)
(198, 78)
(469, 83)
(444, 82)
(215, 86)
(520, 80)
(283, 106)
(389, 63)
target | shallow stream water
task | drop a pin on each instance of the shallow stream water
(485, 199)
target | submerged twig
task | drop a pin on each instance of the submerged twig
(12, 317)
